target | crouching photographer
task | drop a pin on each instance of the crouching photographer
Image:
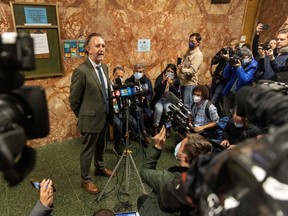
(23, 109)
(250, 179)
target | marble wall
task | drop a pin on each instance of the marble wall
(122, 22)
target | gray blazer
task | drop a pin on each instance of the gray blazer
(87, 99)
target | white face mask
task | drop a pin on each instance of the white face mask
(196, 98)
(170, 75)
(239, 125)
(138, 75)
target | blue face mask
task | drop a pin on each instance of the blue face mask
(191, 45)
(138, 75)
(240, 125)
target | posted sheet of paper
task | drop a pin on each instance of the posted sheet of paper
(40, 43)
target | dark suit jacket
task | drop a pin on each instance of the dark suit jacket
(87, 100)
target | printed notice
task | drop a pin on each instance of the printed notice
(40, 43)
(81, 48)
(70, 48)
(35, 15)
(144, 45)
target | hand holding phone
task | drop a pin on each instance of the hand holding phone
(265, 27)
(37, 185)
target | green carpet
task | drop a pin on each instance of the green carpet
(60, 162)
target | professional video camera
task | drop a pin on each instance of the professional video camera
(179, 115)
(23, 109)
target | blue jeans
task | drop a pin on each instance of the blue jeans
(186, 92)
(161, 105)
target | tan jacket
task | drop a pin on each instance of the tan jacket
(191, 64)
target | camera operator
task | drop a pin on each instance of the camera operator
(166, 81)
(155, 179)
(142, 110)
(218, 81)
(270, 63)
(240, 70)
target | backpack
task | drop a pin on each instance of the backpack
(221, 123)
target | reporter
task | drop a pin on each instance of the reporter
(44, 205)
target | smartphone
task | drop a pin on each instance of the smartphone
(37, 185)
(127, 214)
(179, 61)
(265, 27)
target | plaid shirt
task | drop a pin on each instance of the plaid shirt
(198, 114)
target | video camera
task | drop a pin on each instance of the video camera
(179, 115)
(23, 109)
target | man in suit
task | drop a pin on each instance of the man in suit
(89, 100)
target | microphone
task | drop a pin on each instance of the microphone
(178, 102)
(144, 84)
(119, 82)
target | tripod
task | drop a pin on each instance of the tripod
(127, 153)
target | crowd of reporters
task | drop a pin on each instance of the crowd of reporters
(236, 67)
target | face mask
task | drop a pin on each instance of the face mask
(138, 75)
(196, 98)
(240, 125)
(191, 45)
(170, 75)
(245, 61)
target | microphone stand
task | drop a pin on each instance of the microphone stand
(127, 153)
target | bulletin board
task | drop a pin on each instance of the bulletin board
(42, 22)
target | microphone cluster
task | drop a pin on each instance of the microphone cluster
(129, 93)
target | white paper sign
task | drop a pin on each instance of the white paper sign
(40, 43)
(144, 45)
